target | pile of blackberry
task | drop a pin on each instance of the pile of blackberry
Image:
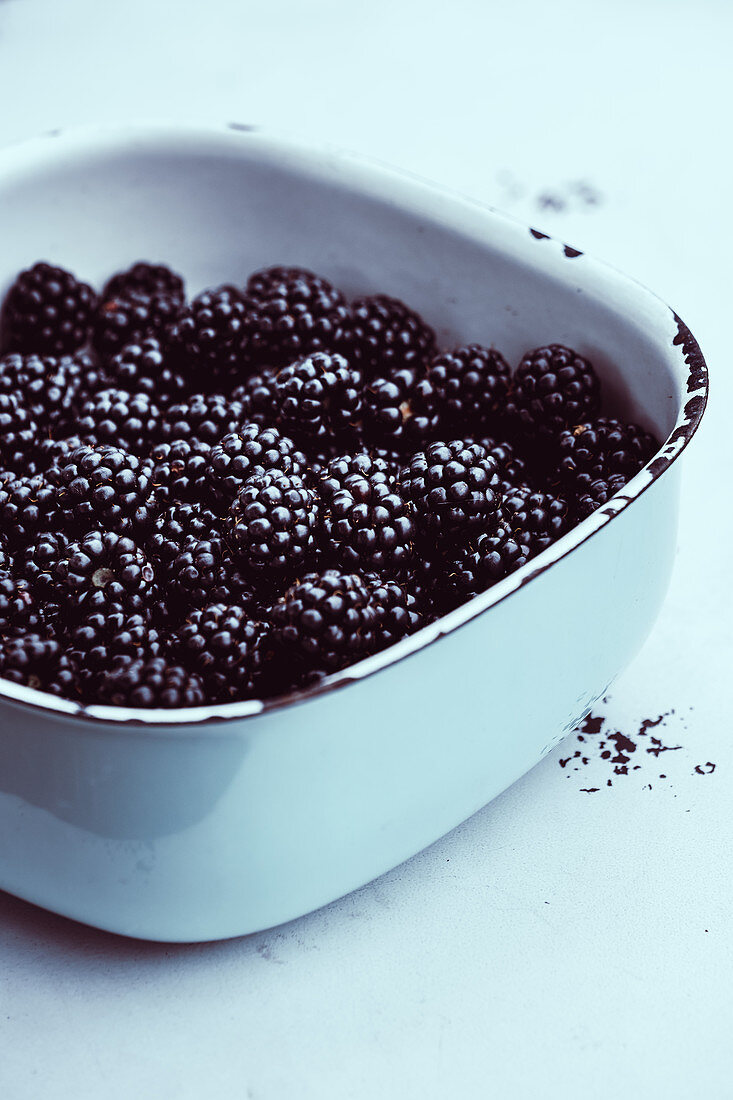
(236, 495)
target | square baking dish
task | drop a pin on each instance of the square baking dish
(214, 822)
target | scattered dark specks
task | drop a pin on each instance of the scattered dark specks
(704, 769)
(549, 201)
(265, 952)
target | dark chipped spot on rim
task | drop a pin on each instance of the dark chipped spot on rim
(698, 375)
(539, 235)
(571, 253)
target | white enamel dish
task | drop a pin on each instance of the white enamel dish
(208, 823)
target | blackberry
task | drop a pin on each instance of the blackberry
(386, 335)
(602, 448)
(468, 385)
(87, 375)
(204, 572)
(120, 321)
(204, 417)
(178, 523)
(553, 387)
(129, 420)
(318, 396)
(257, 396)
(226, 649)
(106, 486)
(535, 519)
(28, 659)
(328, 620)
(514, 469)
(397, 611)
(210, 335)
(48, 311)
(295, 313)
(147, 366)
(250, 450)
(27, 505)
(180, 471)
(103, 635)
(20, 612)
(272, 524)
(149, 682)
(41, 557)
(49, 453)
(66, 679)
(18, 432)
(399, 410)
(594, 494)
(480, 563)
(105, 572)
(455, 489)
(45, 386)
(368, 525)
(148, 280)
(338, 470)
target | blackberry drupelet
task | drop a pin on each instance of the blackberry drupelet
(455, 488)
(180, 471)
(46, 387)
(294, 313)
(105, 486)
(480, 563)
(387, 335)
(177, 524)
(211, 334)
(399, 410)
(252, 449)
(318, 396)
(149, 682)
(368, 525)
(18, 432)
(204, 417)
(230, 652)
(271, 527)
(29, 659)
(125, 320)
(469, 386)
(147, 280)
(107, 573)
(47, 311)
(553, 387)
(129, 420)
(535, 519)
(28, 505)
(147, 366)
(328, 620)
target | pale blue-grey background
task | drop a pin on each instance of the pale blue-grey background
(559, 944)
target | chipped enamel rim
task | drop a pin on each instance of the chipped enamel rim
(366, 175)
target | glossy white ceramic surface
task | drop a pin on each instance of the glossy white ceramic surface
(199, 825)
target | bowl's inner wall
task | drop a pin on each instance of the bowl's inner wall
(217, 215)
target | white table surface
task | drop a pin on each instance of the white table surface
(565, 942)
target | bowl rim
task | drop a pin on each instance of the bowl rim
(373, 175)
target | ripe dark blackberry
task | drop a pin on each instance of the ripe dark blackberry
(368, 526)
(28, 659)
(595, 493)
(28, 505)
(105, 572)
(180, 471)
(257, 396)
(103, 635)
(43, 553)
(387, 335)
(601, 448)
(339, 469)
(126, 320)
(553, 387)
(514, 469)
(178, 523)
(229, 651)
(46, 387)
(48, 311)
(210, 335)
(469, 385)
(147, 366)
(205, 572)
(328, 620)
(397, 611)
(295, 313)
(20, 611)
(318, 396)
(87, 375)
(455, 488)
(250, 450)
(271, 527)
(535, 519)
(399, 410)
(148, 280)
(129, 420)
(151, 682)
(105, 486)
(479, 564)
(18, 432)
(204, 417)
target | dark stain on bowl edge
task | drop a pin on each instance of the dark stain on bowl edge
(570, 252)
(698, 375)
(539, 236)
